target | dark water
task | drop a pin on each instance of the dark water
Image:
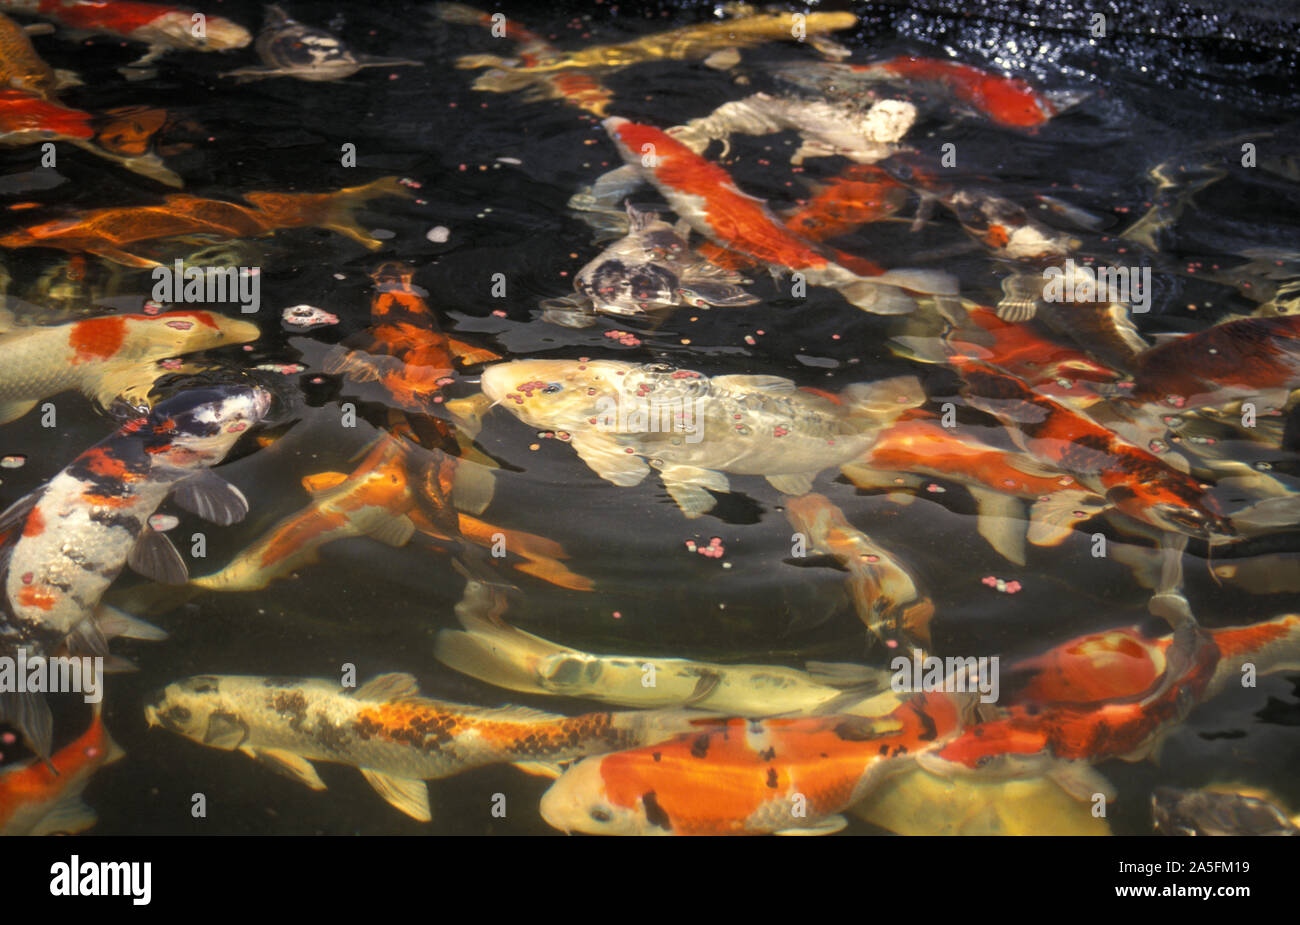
(1169, 82)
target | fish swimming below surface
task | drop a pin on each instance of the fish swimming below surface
(110, 232)
(623, 420)
(105, 357)
(40, 798)
(397, 738)
(1219, 811)
(21, 68)
(289, 48)
(65, 543)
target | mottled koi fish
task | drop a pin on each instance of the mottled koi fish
(66, 542)
(108, 232)
(748, 777)
(386, 729)
(705, 196)
(884, 592)
(44, 798)
(289, 48)
(104, 357)
(1007, 101)
(379, 499)
(21, 68)
(577, 88)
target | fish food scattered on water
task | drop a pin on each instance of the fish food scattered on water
(365, 368)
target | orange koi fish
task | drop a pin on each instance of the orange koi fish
(579, 89)
(1008, 101)
(108, 232)
(407, 353)
(44, 798)
(884, 593)
(748, 777)
(386, 729)
(705, 196)
(21, 68)
(381, 499)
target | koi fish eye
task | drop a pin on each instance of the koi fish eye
(551, 388)
(601, 815)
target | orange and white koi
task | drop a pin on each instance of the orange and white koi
(397, 738)
(748, 777)
(885, 594)
(108, 232)
(705, 196)
(104, 357)
(44, 798)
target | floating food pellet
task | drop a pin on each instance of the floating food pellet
(163, 522)
(13, 462)
(439, 234)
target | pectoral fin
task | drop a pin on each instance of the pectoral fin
(541, 768)
(690, 486)
(66, 817)
(609, 460)
(294, 767)
(404, 793)
(155, 557)
(827, 826)
(792, 483)
(13, 410)
(30, 715)
(1001, 521)
(212, 498)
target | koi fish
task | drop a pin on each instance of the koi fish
(1008, 101)
(1254, 358)
(998, 479)
(21, 68)
(617, 415)
(397, 738)
(26, 118)
(746, 777)
(108, 232)
(685, 43)
(104, 357)
(493, 651)
(1110, 695)
(582, 90)
(861, 134)
(884, 593)
(405, 351)
(41, 798)
(705, 196)
(162, 28)
(378, 499)
(1219, 810)
(1136, 482)
(858, 195)
(290, 49)
(68, 540)
(649, 270)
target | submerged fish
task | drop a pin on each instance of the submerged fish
(290, 49)
(162, 28)
(624, 419)
(104, 357)
(397, 738)
(109, 232)
(697, 41)
(44, 798)
(651, 269)
(705, 196)
(747, 777)
(380, 499)
(578, 88)
(492, 651)
(1007, 101)
(1216, 811)
(68, 540)
(884, 593)
(21, 68)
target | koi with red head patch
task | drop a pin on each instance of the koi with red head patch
(748, 777)
(397, 738)
(161, 27)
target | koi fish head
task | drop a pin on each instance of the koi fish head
(178, 29)
(177, 333)
(579, 802)
(198, 427)
(557, 394)
(201, 709)
(1153, 502)
(619, 289)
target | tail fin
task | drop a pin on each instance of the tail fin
(339, 217)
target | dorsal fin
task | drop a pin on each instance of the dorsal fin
(395, 685)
